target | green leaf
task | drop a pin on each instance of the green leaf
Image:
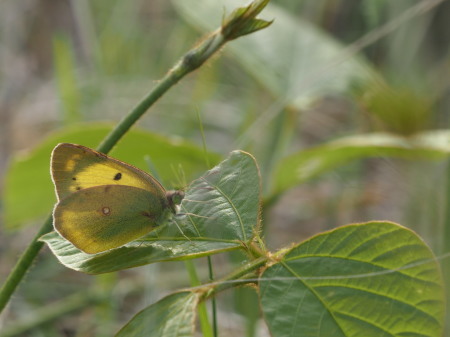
(220, 212)
(305, 165)
(372, 279)
(227, 198)
(172, 316)
(29, 193)
(134, 254)
(294, 60)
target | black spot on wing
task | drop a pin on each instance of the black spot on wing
(118, 176)
(149, 215)
(74, 178)
(78, 188)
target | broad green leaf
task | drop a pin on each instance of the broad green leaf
(29, 193)
(293, 59)
(219, 213)
(227, 198)
(172, 316)
(137, 253)
(373, 279)
(305, 165)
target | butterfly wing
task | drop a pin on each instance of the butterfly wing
(75, 167)
(99, 218)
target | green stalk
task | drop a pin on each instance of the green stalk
(239, 276)
(191, 61)
(241, 22)
(23, 264)
(202, 313)
(213, 300)
(242, 275)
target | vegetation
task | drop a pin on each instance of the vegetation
(326, 133)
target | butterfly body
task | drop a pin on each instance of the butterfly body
(104, 203)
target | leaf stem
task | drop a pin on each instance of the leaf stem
(213, 301)
(238, 276)
(202, 312)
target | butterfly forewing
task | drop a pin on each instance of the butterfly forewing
(99, 218)
(75, 167)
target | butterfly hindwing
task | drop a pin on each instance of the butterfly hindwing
(75, 167)
(96, 219)
(104, 203)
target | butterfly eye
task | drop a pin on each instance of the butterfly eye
(118, 176)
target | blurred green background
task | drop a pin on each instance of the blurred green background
(339, 101)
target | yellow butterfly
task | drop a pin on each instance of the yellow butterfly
(104, 203)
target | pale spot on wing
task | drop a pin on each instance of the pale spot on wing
(71, 163)
(106, 210)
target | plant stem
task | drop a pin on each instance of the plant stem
(23, 264)
(202, 313)
(239, 23)
(191, 61)
(239, 276)
(188, 63)
(213, 301)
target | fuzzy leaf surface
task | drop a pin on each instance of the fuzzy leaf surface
(372, 279)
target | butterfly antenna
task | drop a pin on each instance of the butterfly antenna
(180, 175)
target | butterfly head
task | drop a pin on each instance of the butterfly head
(174, 198)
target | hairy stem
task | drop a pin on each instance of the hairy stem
(23, 264)
(191, 61)
(237, 277)
(239, 23)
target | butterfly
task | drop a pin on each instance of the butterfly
(104, 203)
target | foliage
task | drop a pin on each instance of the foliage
(365, 279)
(361, 279)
